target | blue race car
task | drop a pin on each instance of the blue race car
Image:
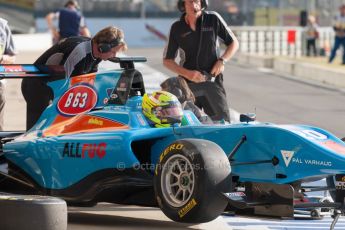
(94, 144)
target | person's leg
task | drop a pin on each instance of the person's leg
(2, 105)
(314, 47)
(211, 97)
(37, 96)
(343, 45)
(218, 97)
(198, 90)
(334, 49)
(308, 47)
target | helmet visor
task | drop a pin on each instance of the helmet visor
(169, 114)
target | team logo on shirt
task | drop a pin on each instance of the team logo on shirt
(186, 34)
(78, 99)
(205, 29)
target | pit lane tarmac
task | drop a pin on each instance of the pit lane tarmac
(111, 216)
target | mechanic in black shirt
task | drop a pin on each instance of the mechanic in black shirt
(78, 55)
(196, 37)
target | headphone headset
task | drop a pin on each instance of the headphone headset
(181, 8)
(106, 47)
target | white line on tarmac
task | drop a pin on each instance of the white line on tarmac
(249, 223)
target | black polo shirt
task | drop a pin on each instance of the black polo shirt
(199, 49)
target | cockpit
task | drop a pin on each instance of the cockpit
(130, 83)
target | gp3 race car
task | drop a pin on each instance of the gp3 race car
(93, 144)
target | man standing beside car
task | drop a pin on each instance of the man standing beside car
(7, 56)
(196, 37)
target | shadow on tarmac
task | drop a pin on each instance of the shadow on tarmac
(119, 222)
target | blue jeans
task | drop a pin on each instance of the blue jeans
(339, 41)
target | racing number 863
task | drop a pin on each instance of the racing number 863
(79, 100)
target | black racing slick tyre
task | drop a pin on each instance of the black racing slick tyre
(31, 212)
(189, 180)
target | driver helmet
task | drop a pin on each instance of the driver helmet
(162, 108)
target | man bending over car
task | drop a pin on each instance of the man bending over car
(78, 55)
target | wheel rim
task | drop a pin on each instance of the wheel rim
(177, 180)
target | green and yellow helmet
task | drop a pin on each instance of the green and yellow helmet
(162, 108)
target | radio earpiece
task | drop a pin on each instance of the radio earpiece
(106, 47)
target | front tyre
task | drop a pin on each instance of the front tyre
(189, 181)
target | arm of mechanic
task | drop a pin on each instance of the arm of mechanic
(229, 52)
(191, 75)
(83, 30)
(50, 22)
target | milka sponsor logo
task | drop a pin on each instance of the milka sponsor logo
(95, 121)
(288, 157)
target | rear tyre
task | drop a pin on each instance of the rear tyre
(32, 212)
(189, 181)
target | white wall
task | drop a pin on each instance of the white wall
(32, 42)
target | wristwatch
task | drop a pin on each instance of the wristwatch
(222, 60)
